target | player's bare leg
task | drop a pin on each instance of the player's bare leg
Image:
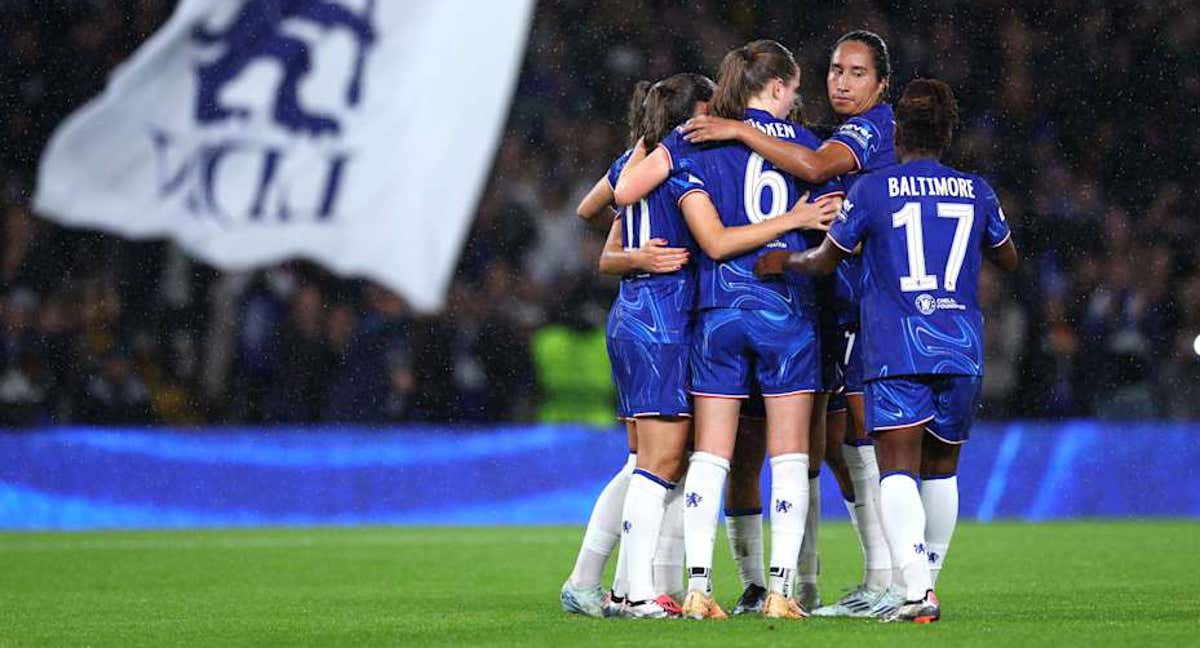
(900, 452)
(743, 513)
(716, 432)
(939, 495)
(787, 446)
(582, 593)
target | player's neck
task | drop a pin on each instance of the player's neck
(906, 157)
(757, 103)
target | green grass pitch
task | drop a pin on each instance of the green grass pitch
(1086, 583)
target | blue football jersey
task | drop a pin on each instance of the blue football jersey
(747, 189)
(657, 216)
(923, 227)
(871, 140)
(657, 307)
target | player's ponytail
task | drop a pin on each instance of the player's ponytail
(671, 102)
(926, 117)
(745, 71)
(637, 108)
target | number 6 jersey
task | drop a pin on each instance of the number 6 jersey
(746, 189)
(923, 227)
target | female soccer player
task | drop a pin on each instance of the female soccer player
(582, 592)
(924, 229)
(857, 81)
(649, 329)
(745, 324)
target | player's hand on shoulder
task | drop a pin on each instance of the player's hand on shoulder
(657, 258)
(706, 128)
(813, 216)
(771, 264)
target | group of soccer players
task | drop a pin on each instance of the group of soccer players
(811, 301)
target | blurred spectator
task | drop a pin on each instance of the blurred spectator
(1004, 343)
(303, 362)
(114, 395)
(362, 380)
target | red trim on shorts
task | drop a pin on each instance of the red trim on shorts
(939, 438)
(725, 396)
(798, 392)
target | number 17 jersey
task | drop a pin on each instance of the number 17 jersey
(923, 227)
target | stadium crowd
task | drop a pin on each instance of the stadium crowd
(1076, 111)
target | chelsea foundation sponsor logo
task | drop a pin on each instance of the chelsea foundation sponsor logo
(927, 304)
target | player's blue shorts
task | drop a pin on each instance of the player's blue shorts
(837, 403)
(649, 342)
(944, 404)
(651, 378)
(850, 369)
(733, 346)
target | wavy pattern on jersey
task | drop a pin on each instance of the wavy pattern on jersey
(653, 311)
(940, 351)
(848, 289)
(739, 288)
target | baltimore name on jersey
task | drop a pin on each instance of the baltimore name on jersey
(923, 227)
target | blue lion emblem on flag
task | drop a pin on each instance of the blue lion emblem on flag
(254, 34)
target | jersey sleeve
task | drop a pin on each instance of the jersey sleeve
(682, 183)
(996, 231)
(679, 151)
(850, 227)
(614, 172)
(862, 136)
(832, 187)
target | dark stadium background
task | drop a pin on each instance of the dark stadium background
(285, 457)
(1081, 113)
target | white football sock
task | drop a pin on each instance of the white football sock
(864, 472)
(940, 498)
(668, 556)
(620, 588)
(852, 513)
(745, 530)
(789, 508)
(904, 525)
(809, 565)
(603, 529)
(701, 506)
(645, 504)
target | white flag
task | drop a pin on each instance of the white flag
(355, 133)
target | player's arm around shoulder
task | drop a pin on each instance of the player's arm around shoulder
(644, 171)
